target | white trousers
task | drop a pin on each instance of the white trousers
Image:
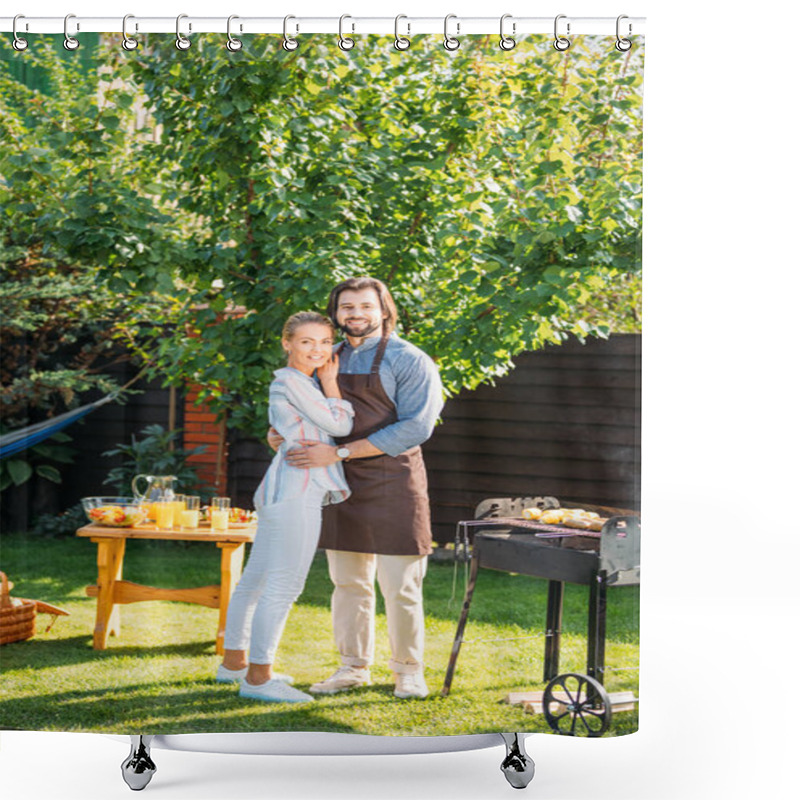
(353, 607)
(286, 540)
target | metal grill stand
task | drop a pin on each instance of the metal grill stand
(561, 555)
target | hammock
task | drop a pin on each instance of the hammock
(23, 438)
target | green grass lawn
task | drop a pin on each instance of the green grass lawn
(157, 676)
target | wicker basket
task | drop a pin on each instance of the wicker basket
(17, 616)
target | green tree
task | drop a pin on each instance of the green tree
(70, 208)
(498, 194)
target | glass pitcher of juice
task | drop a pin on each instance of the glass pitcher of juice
(159, 487)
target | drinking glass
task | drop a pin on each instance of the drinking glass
(220, 508)
(180, 504)
(189, 515)
(164, 513)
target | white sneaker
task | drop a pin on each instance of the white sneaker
(273, 691)
(342, 680)
(410, 684)
(225, 675)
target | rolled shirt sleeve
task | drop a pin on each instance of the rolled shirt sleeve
(419, 399)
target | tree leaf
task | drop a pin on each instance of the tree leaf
(19, 470)
(49, 473)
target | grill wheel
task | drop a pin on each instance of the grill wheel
(576, 705)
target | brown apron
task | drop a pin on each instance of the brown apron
(388, 511)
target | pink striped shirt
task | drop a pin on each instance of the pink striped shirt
(299, 410)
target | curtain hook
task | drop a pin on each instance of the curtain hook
(70, 42)
(233, 44)
(450, 42)
(19, 44)
(561, 43)
(623, 45)
(345, 42)
(401, 42)
(507, 42)
(289, 43)
(128, 43)
(181, 42)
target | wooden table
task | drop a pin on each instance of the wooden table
(112, 592)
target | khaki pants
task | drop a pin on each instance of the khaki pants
(353, 607)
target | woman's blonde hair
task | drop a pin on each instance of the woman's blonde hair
(304, 318)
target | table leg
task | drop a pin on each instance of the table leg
(596, 639)
(462, 624)
(552, 635)
(110, 555)
(232, 558)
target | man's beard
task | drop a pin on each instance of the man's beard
(361, 333)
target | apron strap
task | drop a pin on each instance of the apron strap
(374, 371)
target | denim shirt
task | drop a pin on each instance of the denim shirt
(411, 381)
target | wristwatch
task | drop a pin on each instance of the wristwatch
(343, 453)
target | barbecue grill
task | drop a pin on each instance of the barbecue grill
(502, 540)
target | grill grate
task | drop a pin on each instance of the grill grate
(544, 530)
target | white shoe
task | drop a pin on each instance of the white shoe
(410, 684)
(342, 680)
(225, 675)
(273, 691)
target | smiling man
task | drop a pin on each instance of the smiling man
(384, 528)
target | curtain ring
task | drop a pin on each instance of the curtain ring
(233, 44)
(181, 42)
(289, 43)
(450, 42)
(19, 44)
(561, 43)
(345, 42)
(623, 45)
(128, 43)
(507, 42)
(70, 42)
(401, 42)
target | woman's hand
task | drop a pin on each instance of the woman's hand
(327, 375)
(329, 370)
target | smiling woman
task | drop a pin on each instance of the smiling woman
(308, 342)
(289, 503)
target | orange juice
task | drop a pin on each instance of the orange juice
(189, 518)
(164, 514)
(148, 511)
(219, 519)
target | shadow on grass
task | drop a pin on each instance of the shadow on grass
(166, 707)
(78, 650)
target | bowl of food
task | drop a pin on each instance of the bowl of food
(113, 512)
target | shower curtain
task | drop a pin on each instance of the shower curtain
(171, 209)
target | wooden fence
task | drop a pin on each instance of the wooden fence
(565, 422)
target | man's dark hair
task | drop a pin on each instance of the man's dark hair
(358, 284)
